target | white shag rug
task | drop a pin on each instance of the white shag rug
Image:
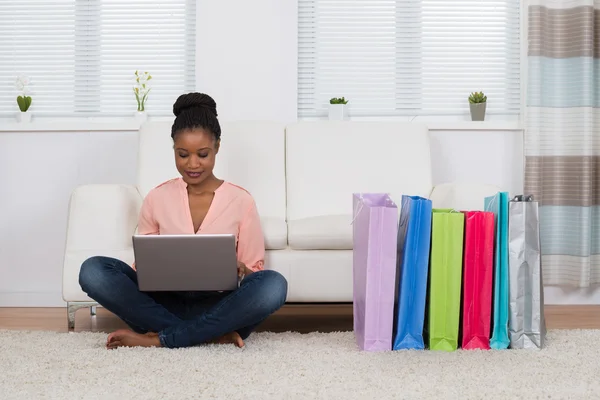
(48, 365)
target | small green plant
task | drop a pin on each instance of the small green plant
(477, 97)
(24, 103)
(23, 99)
(338, 100)
(141, 89)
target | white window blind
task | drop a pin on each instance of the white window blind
(408, 57)
(81, 55)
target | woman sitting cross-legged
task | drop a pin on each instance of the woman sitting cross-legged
(196, 203)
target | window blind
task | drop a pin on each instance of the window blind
(81, 55)
(408, 57)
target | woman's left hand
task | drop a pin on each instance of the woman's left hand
(242, 269)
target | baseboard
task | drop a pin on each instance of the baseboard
(32, 299)
(552, 295)
(571, 296)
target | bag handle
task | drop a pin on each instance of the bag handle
(360, 207)
(522, 197)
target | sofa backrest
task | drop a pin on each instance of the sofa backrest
(156, 159)
(252, 155)
(328, 161)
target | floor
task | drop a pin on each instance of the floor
(301, 318)
(44, 365)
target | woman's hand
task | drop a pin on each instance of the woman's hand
(243, 270)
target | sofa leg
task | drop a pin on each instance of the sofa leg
(71, 315)
(73, 306)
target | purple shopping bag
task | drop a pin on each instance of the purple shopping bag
(375, 228)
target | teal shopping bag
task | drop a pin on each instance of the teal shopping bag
(498, 204)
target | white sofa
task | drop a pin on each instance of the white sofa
(302, 177)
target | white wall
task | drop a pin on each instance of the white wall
(38, 171)
(489, 157)
(246, 57)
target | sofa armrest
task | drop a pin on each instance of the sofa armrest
(101, 221)
(462, 196)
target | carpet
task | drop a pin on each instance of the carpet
(49, 365)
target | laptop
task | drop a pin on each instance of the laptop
(203, 262)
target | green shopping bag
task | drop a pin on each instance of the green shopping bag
(446, 276)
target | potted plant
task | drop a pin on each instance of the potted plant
(477, 105)
(141, 89)
(23, 99)
(338, 109)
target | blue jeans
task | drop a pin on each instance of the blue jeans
(182, 319)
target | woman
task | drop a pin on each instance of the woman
(198, 202)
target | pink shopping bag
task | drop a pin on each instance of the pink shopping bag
(478, 268)
(375, 228)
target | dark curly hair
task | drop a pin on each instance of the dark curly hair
(196, 110)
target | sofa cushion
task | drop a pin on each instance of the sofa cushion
(327, 232)
(327, 161)
(252, 155)
(275, 232)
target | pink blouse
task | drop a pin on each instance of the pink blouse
(166, 211)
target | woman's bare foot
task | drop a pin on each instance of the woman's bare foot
(232, 337)
(128, 338)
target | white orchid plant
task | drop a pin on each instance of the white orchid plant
(23, 99)
(141, 89)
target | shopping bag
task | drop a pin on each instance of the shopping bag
(375, 227)
(477, 279)
(498, 204)
(414, 239)
(526, 324)
(447, 229)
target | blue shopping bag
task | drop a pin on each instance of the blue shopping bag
(498, 204)
(414, 241)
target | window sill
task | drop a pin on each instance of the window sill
(475, 126)
(133, 125)
(75, 124)
(495, 123)
(70, 125)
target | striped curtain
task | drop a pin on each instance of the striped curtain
(562, 136)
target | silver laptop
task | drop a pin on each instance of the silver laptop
(203, 262)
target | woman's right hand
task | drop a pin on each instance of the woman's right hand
(243, 270)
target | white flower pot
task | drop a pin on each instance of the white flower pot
(140, 116)
(338, 112)
(24, 117)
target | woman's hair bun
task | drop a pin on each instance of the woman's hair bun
(194, 101)
(196, 110)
